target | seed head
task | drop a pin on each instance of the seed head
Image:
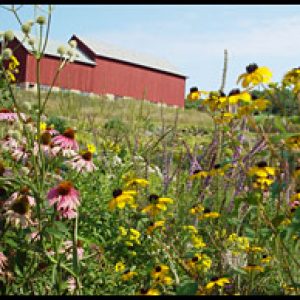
(7, 54)
(26, 28)
(9, 35)
(73, 43)
(41, 20)
(61, 50)
(31, 42)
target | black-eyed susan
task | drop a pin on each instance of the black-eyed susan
(195, 94)
(252, 267)
(149, 292)
(215, 101)
(154, 225)
(219, 170)
(266, 259)
(292, 78)
(121, 198)
(224, 118)
(199, 262)
(197, 241)
(120, 267)
(128, 275)
(236, 96)
(217, 281)
(134, 235)
(208, 214)
(196, 209)
(157, 205)
(262, 170)
(260, 104)
(255, 75)
(198, 174)
(190, 228)
(137, 182)
(254, 249)
(160, 274)
(296, 172)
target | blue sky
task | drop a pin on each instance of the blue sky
(192, 37)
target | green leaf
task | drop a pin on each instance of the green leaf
(187, 288)
(277, 220)
(278, 124)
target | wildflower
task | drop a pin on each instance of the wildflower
(262, 170)
(254, 249)
(123, 231)
(20, 153)
(134, 235)
(297, 171)
(207, 213)
(237, 243)
(157, 204)
(260, 104)
(194, 94)
(149, 292)
(82, 162)
(4, 171)
(71, 284)
(120, 266)
(91, 148)
(121, 198)
(190, 228)
(136, 182)
(67, 248)
(3, 263)
(224, 118)
(198, 174)
(199, 262)
(197, 241)
(293, 142)
(196, 209)
(236, 95)
(128, 275)
(265, 259)
(66, 140)
(154, 225)
(216, 281)
(161, 275)
(7, 115)
(254, 75)
(18, 208)
(66, 198)
(251, 267)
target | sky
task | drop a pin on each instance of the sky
(191, 37)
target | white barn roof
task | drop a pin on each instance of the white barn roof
(111, 51)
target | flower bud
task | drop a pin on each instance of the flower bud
(70, 52)
(7, 53)
(31, 42)
(73, 43)
(61, 50)
(9, 35)
(41, 20)
(27, 105)
(26, 28)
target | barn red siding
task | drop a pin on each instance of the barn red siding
(74, 76)
(126, 79)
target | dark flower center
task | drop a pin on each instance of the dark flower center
(21, 206)
(234, 92)
(69, 133)
(126, 271)
(251, 68)
(144, 291)
(298, 190)
(195, 259)
(264, 256)
(87, 155)
(193, 89)
(254, 97)
(262, 164)
(117, 192)
(297, 168)
(293, 209)
(196, 171)
(214, 278)
(64, 188)
(3, 193)
(158, 269)
(207, 210)
(153, 198)
(4, 111)
(222, 94)
(46, 138)
(217, 166)
(151, 224)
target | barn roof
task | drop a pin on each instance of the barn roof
(51, 49)
(111, 51)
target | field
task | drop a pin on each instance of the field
(128, 197)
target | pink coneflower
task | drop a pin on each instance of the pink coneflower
(7, 115)
(18, 208)
(3, 262)
(83, 162)
(66, 197)
(47, 145)
(52, 131)
(4, 172)
(9, 143)
(66, 140)
(20, 154)
(68, 250)
(71, 283)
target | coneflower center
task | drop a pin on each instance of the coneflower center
(153, 198)
(234, 92)
(69, 133)
(46, 138)
(87, 155)
(193, 89)
(158, 269)
(251, 68)
(5, 111)
(262, 164)
(21, 206)
(117, 192)
(64, 188)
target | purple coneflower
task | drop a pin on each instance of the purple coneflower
(83, 162)
(3, 262)
(7, 115)
(66, 140)
(66, 197)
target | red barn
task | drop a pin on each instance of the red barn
(103, 70)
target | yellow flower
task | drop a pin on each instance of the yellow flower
(121, 198)
(149, 292)
(224, 118)
(196, 209)
(251, 268)
(91, 148)
(260, 104)
(266, 259)
(199, 262)
(254, 249)
(194, 94)
(134, 235)
(191, 228)
(157, 204)
(254, 75)
(236, 95)
(207, 213)
(198, 242)
(262, 170)
(159, 271)
(123, 231)
(128, 275)
(137, 181)
(154, 225)
(297, 171)
(217, 281)
(120, 266)
(198, 174)
(43, 126)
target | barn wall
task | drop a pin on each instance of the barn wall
(74, 76)
(115, 77)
